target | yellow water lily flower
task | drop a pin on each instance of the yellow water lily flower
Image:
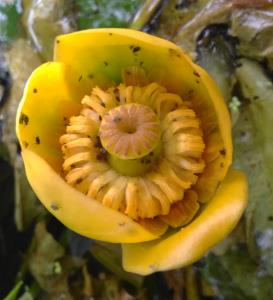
(126, 140)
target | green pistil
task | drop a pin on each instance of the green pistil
(135, 167)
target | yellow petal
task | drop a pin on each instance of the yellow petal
(222, 114)
(207, 183)
(189, 244)
(108, 51)
(75, 210)
(51, 96)
(155, 225)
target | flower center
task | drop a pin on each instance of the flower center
(130, 131)
(136, 149)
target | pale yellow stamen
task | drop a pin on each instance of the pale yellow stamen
(138, 149)
(183, 211)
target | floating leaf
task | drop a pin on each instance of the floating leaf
(216, 53)
(44, 20)
(214, 12)
(254, 28)
(228, 273)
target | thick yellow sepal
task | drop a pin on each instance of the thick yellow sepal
(77, 211)
(52, 94)
(189, 244)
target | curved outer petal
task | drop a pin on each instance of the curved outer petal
(189, 244)
(108, 51)
(52, 94)
(78, 212)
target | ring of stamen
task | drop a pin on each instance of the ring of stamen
(138, 150)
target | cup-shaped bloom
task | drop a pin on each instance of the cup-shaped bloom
(126, 140)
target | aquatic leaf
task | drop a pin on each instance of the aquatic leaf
(248, 157)
(214, 12)
(258, 89)
(177, 14)
(253, 143)
(228, 273)
(216, 53)
(254, 28)
(44, 20)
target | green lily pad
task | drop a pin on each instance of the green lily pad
(254, 28)
(216, 53)
(253, 153)
(43, 21)
(235, 275)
